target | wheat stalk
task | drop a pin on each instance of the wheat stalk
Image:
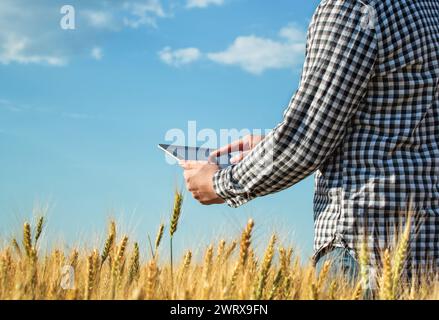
(90, 277)
(187, 260)
(285, 258)
(332, 290)
(176, 212)
(245, 243)
(134, 264)
(207, 267)
(265, 268)
(73, 261)
(230, 250)
(400, 255)
(220, 275)
(159, 237)
(386, 290)
(220, 252)
(151, 279)
(39, 229)
(323, 276)
(117, 265)
(232, 284)
(277, 282)
(16, 246)
(357, 292)
(108, 247)
(27, 241)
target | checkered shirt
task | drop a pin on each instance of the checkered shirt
(365, 120)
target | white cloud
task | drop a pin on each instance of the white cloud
(144, 13)
(132, 14)
(26, 34)
(179, 57)
(100, 19)
(96, 53)
(203, 3)
(252, 53)
(30, 34)
(256, 54)
(30, 37)
(16, 50)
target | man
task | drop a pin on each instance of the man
(365, 119)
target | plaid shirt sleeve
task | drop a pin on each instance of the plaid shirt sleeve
(340, 59)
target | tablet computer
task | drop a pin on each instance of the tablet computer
(194, 153)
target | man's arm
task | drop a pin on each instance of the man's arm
(341, 55)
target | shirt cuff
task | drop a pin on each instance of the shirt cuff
(229, 189)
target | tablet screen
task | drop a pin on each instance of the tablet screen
(194, 153)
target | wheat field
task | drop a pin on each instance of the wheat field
(229, 270)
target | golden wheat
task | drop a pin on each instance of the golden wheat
(219, 275)
(159, 237)
(245, 243)
(134, 264)
(39, 229)
(27, 240)
(265, 268)
(386, 286)
(109, 242)
(178, 201)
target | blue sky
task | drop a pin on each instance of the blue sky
(82, 111)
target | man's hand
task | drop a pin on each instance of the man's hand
(244, 146)
(198, 176)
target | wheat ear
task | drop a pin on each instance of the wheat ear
(39, 229)
(176, 212)
(401, 255)
(265, 268)
(245, 243)
(158, 238)
(386, 290)
(27, 240)
(134, 264)
(109, 243)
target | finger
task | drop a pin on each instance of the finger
(237, 145)
(206, 203)
(196, 196)
(211, 202)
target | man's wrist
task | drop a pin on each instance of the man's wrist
(227, 189)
